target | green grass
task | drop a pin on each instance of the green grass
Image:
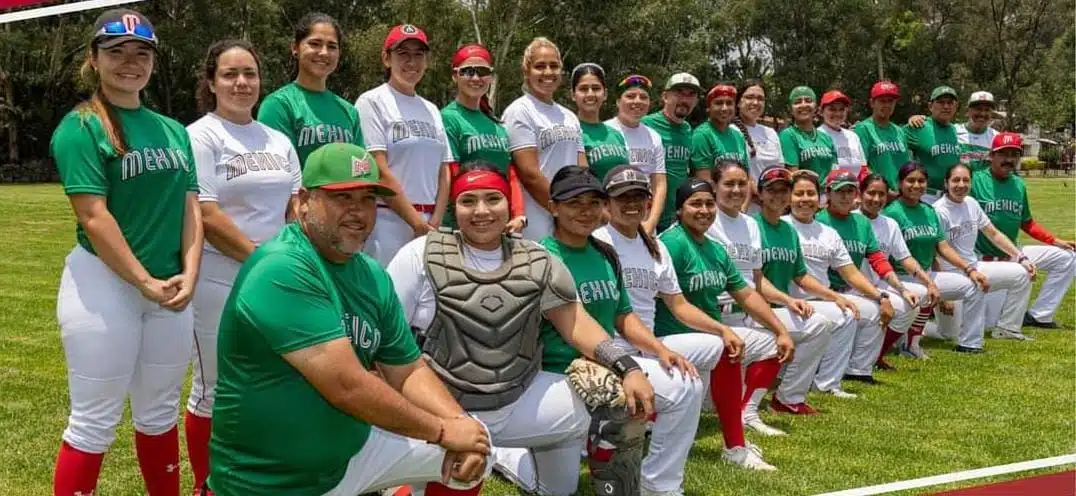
(951, 413)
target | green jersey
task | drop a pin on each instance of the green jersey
(813, 151)
(676, 138)
(885, 147)
(605, 147)
(704, 271)
(858, 237)
(710, 146)
(600, 290)
(921, 230)
(473, 135)
(310, 118)
(273, 433)
(937, 147)
(782, 256)
(145, 189)
(1005, 203)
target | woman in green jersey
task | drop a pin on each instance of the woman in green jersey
(122, 307)
(474, 133)
(803, 145)
(921, 228)
(305, 110)
(717, 139)
(605, 146)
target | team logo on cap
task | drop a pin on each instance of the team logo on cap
(1007, 140)
(359, 166)
(408, 29)
(130, 21)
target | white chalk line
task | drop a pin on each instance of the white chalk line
(66, 8)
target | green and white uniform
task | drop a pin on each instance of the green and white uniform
(886, 149)
(813, 151)
(782, 257)
(605, 147)
(472, 135)
(704, 272)
(677, 141)
(938, 148)
(975, 146)
(710, 145)
(310, 118)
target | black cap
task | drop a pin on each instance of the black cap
(624, 178)
(572, 181)
(118, 26)
(690, 187)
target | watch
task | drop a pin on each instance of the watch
(882, 295)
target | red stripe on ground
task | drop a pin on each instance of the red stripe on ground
(1059, 484)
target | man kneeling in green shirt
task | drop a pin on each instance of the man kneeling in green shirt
(298, 410)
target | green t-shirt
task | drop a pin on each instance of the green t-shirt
(605, 147)
(937, 147)
(676, 138)
(704, 271)
(921, 230)
(812, 151)
(145, 190)
(710, 146)
(858, 237)
(1005, 204)
(472, 135)
(273, 433)
(600, 291)
(885, 147)
(310, 118)
(782, 256)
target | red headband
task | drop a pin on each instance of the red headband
(479, 179)
(720, 90)
(473, 50)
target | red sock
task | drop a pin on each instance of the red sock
(438, 489)
(198, 430)
(891, 337)
(760, 375)
(726, 389)
(919, 323)
(158, 458)
(76, 471)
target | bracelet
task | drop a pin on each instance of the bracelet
(968, 270)
(1023, 258)
(440, 435)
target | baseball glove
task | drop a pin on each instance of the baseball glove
(595, 384)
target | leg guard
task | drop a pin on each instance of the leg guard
(615, 448)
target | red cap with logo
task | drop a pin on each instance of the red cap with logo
(404, 32)
(885, 88)
(834, 96)
(1007, 140)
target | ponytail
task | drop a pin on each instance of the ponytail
(486, 108)
(651, 244)
(738, 122)
(98, 105)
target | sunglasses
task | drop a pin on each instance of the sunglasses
(119, 28)
(777, 174)
(635, 80)
(475, 71)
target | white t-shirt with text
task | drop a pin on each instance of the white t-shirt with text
(961, 223)
(890, 241)
(767, 148)
(643, 276)
(850, 156)
(822, 250)
(644, 146)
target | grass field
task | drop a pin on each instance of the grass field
(951, 413)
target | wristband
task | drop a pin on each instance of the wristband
(882, 295)
(624, 365)
(610, 356)
(1023, 258)
(968, 269)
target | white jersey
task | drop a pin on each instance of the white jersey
(961, 223)
(767, 148)
(822, 250)
(742, 240)
(890, 241)
(980, 143)
(643, 276)
(410, 131)
(644, 146)
(850, 156)
(249, 170)
(555, 132)
(408, 272)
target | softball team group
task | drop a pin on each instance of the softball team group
(729, 259)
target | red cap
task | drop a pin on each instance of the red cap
(472, 50)
(885, 88)
(834, 96)
(1007, 140)
(402, 33)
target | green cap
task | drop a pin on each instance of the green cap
(343, 166)
(941, 91)
(799, 92)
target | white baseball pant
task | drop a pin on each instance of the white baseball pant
(116, 343)
(1012, 283)
(853, 346)
(1059, 266)
(811, 336)
(215, 279)
(903, 313)
(758, 345)
(966, 323)
(390, 233)
(390, 460)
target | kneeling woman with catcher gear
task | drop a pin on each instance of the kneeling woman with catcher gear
(482, 305)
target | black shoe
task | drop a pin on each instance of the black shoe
(1030, 321)
(861, 378)
(967, 349)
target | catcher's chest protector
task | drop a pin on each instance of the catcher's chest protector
(484, 337)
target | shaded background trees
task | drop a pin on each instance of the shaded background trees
(1021, 50)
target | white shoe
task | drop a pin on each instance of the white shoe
(760, 427)
(840, 393)
(646, 492)
(749, 457)
(914, 351)
(999, 333)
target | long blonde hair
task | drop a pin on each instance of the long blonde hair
(98, 105)
(528, 56)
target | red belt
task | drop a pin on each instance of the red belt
(426, 209)
(1003, 258)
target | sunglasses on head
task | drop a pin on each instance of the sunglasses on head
(474, 71)
(635, 80)
(777, 174)
(120, 28)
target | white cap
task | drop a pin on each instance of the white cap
(683, 79)
(981, 97)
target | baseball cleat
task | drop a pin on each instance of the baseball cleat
(866, 379)
(794, 409)
(914, 351)
(968, 349)
(840, 393)
(761, 427)
(1032, 322)
(749, 456)
(999, 333)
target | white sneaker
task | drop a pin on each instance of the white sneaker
(840, 393)
(749, 457)
(999, 333)
(646, 492)
(760, 427)
(914, 351)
